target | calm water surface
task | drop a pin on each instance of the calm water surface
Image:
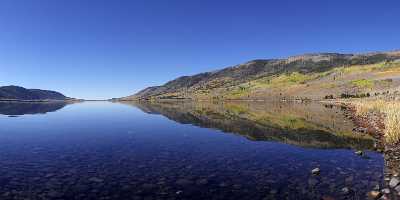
(102, 150)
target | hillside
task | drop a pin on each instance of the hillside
(309, 76)
(20, 93)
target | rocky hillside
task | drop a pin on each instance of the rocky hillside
(20, 93)
(312, 76)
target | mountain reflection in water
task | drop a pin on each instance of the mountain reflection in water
(23, 108)
(308, 125)
(104, 150)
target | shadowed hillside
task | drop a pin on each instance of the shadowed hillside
(20, 93)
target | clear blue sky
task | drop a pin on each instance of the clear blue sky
(99, 49)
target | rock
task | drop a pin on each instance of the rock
(345, 190)
(54, 194)
(178, 192)
(237, 186)
(327, 198)
(202, 182)
(312, 182)
(6, 194)
(394, 182)
(377, 187)
(148, 186)
(49, 175)
(96, 180)
(184, 182)
(359, 153)
(374, 195)
(385, 191)
(349, 179)
(397, 188)
(316, 171)
(223, 184)
(273, 191)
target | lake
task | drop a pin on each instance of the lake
(183, 150)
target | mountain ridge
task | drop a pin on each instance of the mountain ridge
(217, 84)
(20, 93)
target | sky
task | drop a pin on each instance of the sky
(100, 49)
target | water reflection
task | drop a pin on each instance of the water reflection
(22, 108)
(101, 150)
(307, 125)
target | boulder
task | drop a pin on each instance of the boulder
(394, 182)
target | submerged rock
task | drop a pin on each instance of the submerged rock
(316, 171)
(374, 195)
(184, 182)
(96, 180)
(202, 182)
(179, 192)
(345, 190)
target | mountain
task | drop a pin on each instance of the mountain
(312, 76)
(20, 93)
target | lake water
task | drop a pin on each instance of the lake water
(235, 150)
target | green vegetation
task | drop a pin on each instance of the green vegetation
(363, 83)
(309, 78)
(362, 95)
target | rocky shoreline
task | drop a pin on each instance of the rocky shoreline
(372, 123)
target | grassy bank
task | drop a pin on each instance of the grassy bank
(390, 110)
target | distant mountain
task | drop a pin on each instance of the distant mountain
(311, 76)
(20, 93)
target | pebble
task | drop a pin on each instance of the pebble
(148, 186)
(179, 192)
(345, 190)
(96, 180)
(184, 182)
(202, 182)
(315, 171)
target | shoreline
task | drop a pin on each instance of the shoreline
(41, 101)
(372, 123)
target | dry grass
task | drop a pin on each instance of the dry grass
(392, 120)
(391, 112)
(365, 106)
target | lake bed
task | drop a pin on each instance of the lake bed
(184, 150)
